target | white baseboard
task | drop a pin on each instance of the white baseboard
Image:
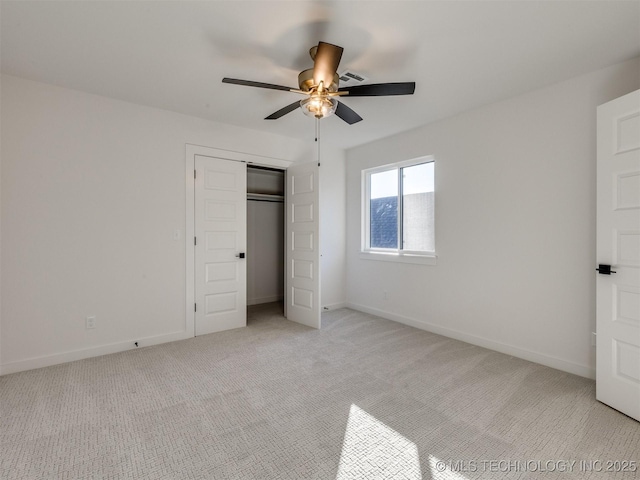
(543, 359)
(258, 301)
(334, 306)
(55, 359)
(536, 357)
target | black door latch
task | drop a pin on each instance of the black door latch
(605, 269)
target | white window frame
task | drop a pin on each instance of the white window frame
(390, 254)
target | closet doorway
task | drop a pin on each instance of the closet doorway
(265, 235)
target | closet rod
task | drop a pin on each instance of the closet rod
(261, 197)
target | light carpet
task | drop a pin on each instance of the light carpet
(363, 398)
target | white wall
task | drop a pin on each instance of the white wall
(92, 192)
(515, 224)
(1, 227)
(265, 252)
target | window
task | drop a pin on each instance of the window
(399, 209)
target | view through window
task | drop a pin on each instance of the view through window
(401, 207)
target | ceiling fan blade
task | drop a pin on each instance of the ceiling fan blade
(346, 114)
(381, 89)
(326, 63)
(283, 111)
(249, 83)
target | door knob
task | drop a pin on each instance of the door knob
(240, 255)
(605, 269)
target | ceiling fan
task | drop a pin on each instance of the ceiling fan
(320, 85)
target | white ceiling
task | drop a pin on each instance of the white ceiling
(173, 55)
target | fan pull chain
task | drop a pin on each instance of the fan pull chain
(318, 139)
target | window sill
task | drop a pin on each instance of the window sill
(400, 258)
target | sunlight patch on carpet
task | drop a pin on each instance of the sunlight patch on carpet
(373, 450)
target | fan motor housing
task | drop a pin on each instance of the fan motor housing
(305, 81)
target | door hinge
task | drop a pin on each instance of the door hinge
(195, 307)
(194, 174)
(195, 241)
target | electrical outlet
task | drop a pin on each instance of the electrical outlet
(91, 322)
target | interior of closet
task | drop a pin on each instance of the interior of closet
(265, 235)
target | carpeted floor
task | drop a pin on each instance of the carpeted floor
(363, 398)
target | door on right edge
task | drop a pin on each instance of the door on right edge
(618, 245)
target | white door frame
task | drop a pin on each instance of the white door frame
(190, 227)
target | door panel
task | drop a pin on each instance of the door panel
(220, 226)
(303, 252)
(618, 244)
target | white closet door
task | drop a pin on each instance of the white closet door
(221, 241)
(618, 248)
(303, 249)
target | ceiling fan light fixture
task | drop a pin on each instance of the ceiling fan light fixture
(321, 83)
(318, 106)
